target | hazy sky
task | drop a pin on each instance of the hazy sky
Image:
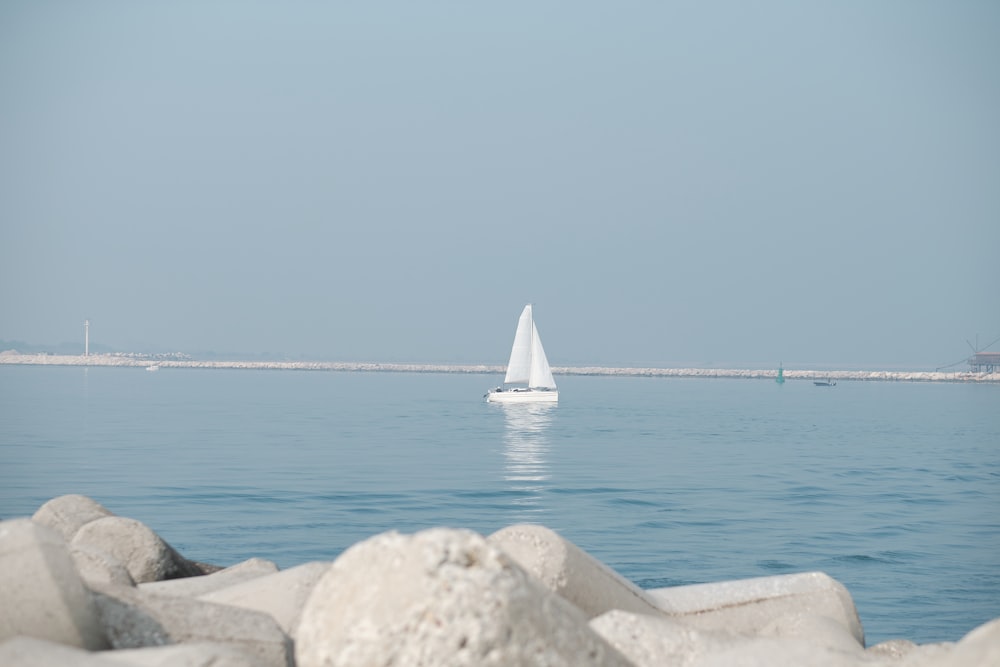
(669, 183)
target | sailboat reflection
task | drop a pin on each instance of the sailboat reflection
(526, 447)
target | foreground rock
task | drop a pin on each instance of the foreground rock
(523, 596)
(440, 597)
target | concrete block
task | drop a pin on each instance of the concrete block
(145, 555)
(440, 597)
(66, 514)
(196, 586)
(282, 594)
(746, 606)
(41, 593)
(136, 619)
(570, 572)
(99, 567)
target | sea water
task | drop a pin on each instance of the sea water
(891, 488)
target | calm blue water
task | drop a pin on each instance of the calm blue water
(891, 488)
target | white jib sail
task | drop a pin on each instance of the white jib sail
(541, 375)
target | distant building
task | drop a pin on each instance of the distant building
(985, 362)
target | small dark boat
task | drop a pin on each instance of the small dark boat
(825, 383)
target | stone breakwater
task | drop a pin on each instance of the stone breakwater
(80, 585)
(789, 374)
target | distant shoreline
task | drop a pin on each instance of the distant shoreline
(485, 369)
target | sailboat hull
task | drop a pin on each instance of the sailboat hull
(523, 396)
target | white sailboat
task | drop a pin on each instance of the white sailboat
(529, 378)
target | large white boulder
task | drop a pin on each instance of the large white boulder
(440, 597)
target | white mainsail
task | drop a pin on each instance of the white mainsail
(519, 366)
(528, 364)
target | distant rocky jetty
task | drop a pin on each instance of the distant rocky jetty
(13, 358)
(80, 585)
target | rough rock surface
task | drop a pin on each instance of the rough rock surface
(440, 597)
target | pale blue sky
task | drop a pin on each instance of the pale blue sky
(669, 183)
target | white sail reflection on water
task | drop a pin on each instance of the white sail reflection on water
(526, 449)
